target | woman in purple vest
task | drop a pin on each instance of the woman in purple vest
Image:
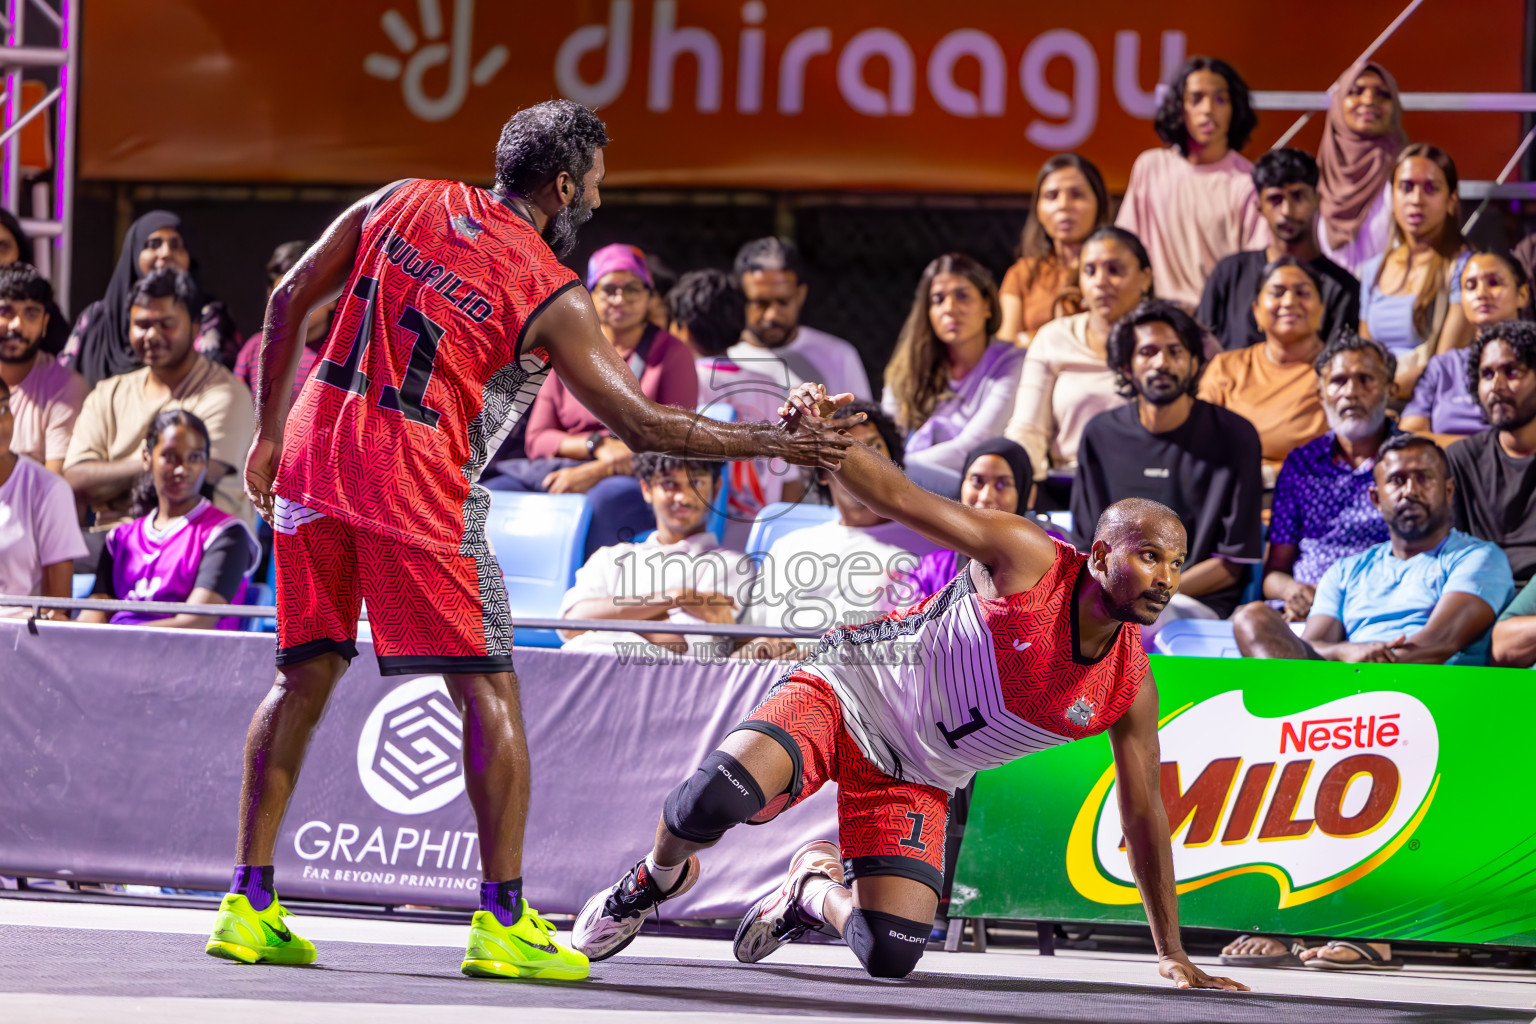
(178, 547)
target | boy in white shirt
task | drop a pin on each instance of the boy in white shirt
(678, 574)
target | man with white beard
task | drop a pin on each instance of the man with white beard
(1322, 509)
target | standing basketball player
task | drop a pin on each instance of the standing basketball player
(453, 310)
(1033, 645)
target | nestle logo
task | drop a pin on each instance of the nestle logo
(1360, 732)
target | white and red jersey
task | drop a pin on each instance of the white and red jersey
(961, 683)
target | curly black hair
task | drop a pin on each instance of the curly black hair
(1519, 335)
(540, 141)
(1280, 167)
(22, 281)
(1169, 120)
(711, 305)
(167, 282)
(1122, 340)
(649, 465)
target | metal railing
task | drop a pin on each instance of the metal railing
(266, 611)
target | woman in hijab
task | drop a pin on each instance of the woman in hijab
(16, 247)
(1361, 138)
(998, 475)
(99, 347)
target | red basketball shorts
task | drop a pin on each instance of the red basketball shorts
(429, 613)
(885, 826)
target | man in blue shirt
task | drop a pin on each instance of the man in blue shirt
(1323, 510)
(1427, 596)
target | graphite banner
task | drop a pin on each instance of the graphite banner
(120, 754)
(1371, 801)
(793, 94)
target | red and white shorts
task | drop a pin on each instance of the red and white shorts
(885, 826)
(429, 612)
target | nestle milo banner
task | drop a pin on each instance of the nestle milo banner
(1373, 801)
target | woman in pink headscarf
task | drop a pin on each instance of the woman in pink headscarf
(1361, 137)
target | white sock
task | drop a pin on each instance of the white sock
(813, 897)
(665, 877)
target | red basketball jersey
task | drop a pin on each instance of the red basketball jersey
(961, 683)
(425, 370)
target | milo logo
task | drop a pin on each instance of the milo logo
(1315, 800)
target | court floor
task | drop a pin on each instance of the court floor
(70, 962)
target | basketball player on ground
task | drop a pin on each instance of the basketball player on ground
(1032, 646)
(453, 310)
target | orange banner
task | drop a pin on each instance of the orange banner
(783, 95)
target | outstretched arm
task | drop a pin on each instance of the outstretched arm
(593, 372)
(1017, 552)
(1137, 774)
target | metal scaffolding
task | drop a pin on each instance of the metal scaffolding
(49, 220)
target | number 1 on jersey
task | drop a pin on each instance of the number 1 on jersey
(345, 374)
(408, 397)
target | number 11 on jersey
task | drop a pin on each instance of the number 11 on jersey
(407, 399)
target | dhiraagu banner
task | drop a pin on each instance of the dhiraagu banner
(1371, 801)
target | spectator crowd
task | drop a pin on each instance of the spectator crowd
(1302, 356)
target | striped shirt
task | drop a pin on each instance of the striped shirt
(961, 683)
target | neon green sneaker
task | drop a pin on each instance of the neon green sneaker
(250, 936)
(525, 950)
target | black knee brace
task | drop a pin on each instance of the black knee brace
(714, 798)
(888, 946)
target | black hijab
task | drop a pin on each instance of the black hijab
(104, 348)
(1017, 459)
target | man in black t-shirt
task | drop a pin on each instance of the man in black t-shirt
(1199, 459)
(1495, 471)
(1286, 182)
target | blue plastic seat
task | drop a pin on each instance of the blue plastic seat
(725, 412)
(81, 585)
(775, 520)
(538, 539)
(1198, 638)
(259, 593)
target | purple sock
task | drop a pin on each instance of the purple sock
(504, 899)
(254, 882)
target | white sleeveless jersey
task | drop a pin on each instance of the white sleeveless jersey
(961, 683)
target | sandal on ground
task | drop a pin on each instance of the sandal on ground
(1289, 958)
(1370, 960)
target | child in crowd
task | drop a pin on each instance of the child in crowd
(178, 547)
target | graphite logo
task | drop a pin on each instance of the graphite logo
(408, 755)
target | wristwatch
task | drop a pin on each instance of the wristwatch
(594, 441)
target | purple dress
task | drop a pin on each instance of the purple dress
(935, 570)
(154, 565)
